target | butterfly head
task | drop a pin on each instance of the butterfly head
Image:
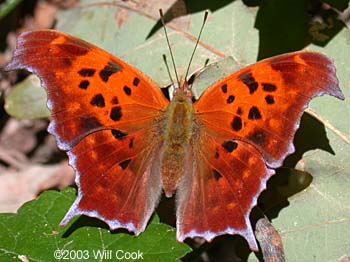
(182, 91)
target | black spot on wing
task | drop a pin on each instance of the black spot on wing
(248, 79)
(230, 99)
(136, 81)
(224, 88)
(109, 70)
(216, 174)
(87, 72)
(118, 134)
(269, 87)
(98, 100)
(127, 90)
(116, 113)
(239, 111)
(84, 84)
(236, 123)
(269, 99)
(229, 146)
(254, 113)
(125, 164)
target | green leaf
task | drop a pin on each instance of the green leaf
(212, 73)
(315, 225)
(34, 233)
(27, 100)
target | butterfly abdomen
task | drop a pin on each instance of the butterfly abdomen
(178, 133)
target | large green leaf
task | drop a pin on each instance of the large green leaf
(33, 233)
(27, 100)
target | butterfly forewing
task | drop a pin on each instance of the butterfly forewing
(88, 88)
(262, 103)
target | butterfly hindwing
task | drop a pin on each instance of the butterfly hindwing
(118, 178)
(220, 189)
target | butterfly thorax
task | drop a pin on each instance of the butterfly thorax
(177, 136)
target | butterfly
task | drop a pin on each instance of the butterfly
(127, 142)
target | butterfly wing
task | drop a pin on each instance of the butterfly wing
(262, 103)
(105, 113)
(247, 122)
(220, 186)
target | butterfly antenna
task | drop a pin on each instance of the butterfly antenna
(167, 39)
(167, 68)
(195, 47)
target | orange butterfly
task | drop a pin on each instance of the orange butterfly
(127, 142)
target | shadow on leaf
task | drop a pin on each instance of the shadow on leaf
(291, 25)
(85, 221)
